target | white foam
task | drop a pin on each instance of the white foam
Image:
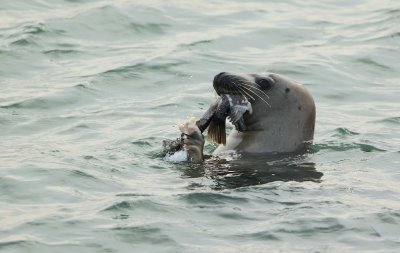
(229, 155)
(178, 156)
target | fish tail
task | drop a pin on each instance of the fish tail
(216, 131)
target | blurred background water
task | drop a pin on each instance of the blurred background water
(89, 89)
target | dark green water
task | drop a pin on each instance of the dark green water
(89, 89)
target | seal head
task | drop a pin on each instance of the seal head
(282, 118)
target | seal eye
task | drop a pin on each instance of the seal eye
(264, 83)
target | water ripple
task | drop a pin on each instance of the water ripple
(89, 90)
(211, 199)
(144, 235)
(345, 147)
(143, 204)
(344, 132)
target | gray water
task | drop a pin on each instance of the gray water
(89, 89)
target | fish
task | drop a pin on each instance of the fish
(228, 106)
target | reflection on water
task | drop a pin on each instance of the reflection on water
(252, 169)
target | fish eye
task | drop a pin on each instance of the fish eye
(264, 83)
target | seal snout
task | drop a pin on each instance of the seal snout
(218, 82)
(225, 83)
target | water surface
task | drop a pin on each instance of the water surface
(89, 89)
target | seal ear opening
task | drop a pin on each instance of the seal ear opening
(216, 131)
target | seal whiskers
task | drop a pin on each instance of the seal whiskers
(248, 85)
(241, 91)
(258, 95)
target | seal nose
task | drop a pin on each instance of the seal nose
(218, 77)
(218, 82)
(226, 83)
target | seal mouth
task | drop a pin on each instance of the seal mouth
(236, 94)
(232, 104)
(253, 87)
(225, 83)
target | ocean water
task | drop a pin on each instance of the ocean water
(90, 89)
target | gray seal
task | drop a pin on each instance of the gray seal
(281, 119)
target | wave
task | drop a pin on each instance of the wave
(138, 69)
(30, 34)
(211, 198)
(59, 52)
(73, 95)
(391, 120)
(344, 132)
(132, 205)
(373, 63)
(335, 146)
(82, 174)
(143, 234)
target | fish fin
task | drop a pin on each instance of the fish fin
(216, 131)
